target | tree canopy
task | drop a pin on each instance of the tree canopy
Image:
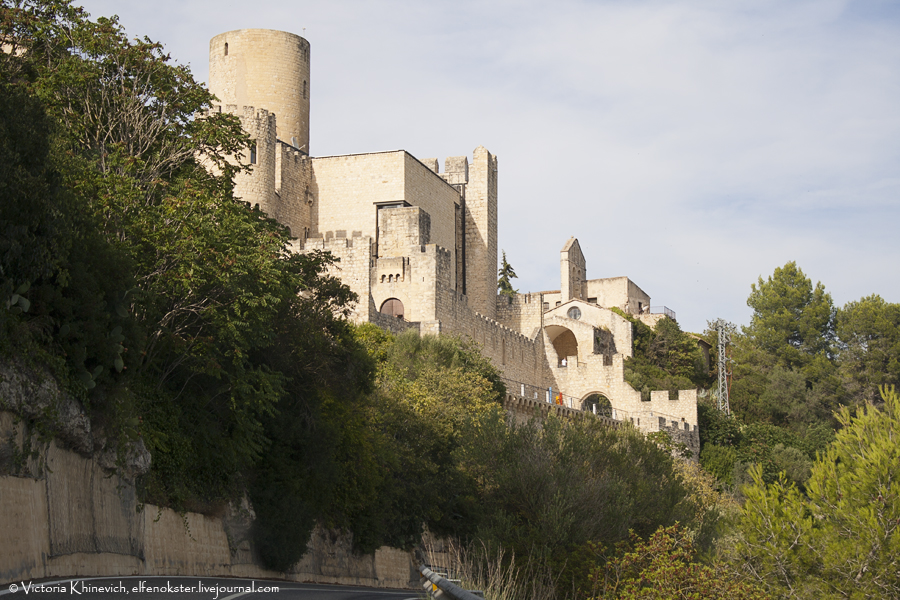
(839, 539)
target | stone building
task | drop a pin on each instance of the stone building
(419, 245)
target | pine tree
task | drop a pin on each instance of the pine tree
(504, 274)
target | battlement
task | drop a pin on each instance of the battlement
(290, 150)
(335, 242)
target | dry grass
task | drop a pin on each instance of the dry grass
(498, 575)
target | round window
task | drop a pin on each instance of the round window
(574, 313)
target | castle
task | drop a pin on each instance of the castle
(419, 246)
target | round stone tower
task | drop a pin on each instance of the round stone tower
(266, 69)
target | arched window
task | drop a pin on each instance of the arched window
(598, 404)
(392, 307)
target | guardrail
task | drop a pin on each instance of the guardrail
(662, 310)
(440, 587)
(548, 395)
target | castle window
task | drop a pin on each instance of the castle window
(253, 153)
(226, 48)
(304, 90)
(383, 278)
(390, 278)
(574, 313)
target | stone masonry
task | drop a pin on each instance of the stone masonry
(419, 246)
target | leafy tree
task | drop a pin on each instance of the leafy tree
(428, 389)
(840, 539)
(546, 490)
(868, 332)
(664, 358)
(184, 314)
(792, 320)
(504, 274)
(785, 373)
(665, 567)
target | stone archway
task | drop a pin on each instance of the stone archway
(597, 403)
(392, 307)
(563, 340)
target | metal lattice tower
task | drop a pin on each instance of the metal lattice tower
(723, 332)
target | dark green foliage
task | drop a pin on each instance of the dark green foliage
(716, 427)
(546, 491)
(792, 320)
(665, 358)
(177, 309)
(428, 389)
(868, 350)
(839, 540)
(720, 461)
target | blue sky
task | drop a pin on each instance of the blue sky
(692, 146)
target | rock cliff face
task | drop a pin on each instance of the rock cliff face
(34, 396)
(69, 508)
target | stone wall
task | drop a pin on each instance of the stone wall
(294, 203)
(481, 232)
(258, 186)
(522, 312)
(354, 267)
(618, 292)
(523, 410)
(268, 69)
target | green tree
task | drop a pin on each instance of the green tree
(428, 390)
(785, 372)
(182, 310)
(665, 567)
(868, 332)
(504, 275)
(792, 320)
(545, 490)
(664, 358)
(841, 538)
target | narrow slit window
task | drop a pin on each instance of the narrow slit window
(304, 90)
(226, 48)
(253, 153)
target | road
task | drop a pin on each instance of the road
(182, 588)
